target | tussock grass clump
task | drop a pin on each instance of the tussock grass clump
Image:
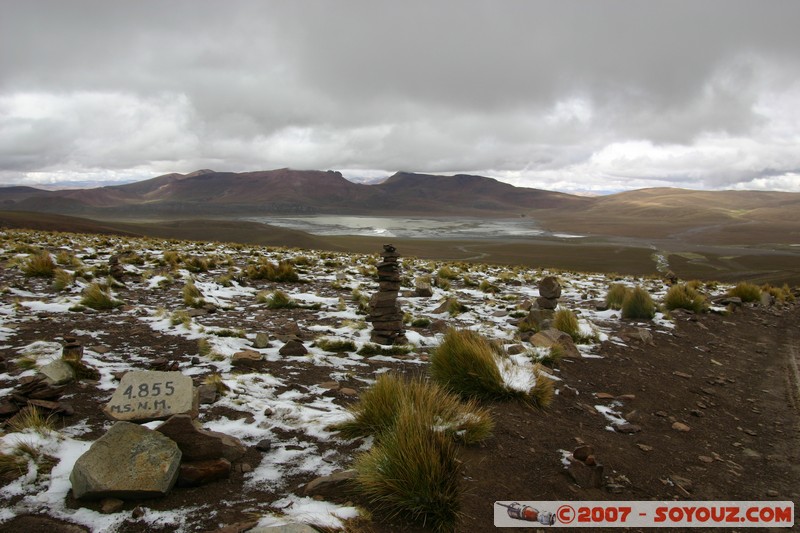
(369, 349)
(685, 296)
(180, 317)
(748, 292)
(446, 272)
(566, 321)
(192, 295)
(336, 345)
(196, 264)
(39, 265)
(422, 322)
(61, 279)
(638, 305)
(12, 466)
(487, 287)
(32, 418)
(66, 258)
(378, 407)
(471, 366)
(280, 300)
(283, 271)
(616, 295)
(99, 297)
(413, 472)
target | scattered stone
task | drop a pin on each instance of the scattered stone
(151, 395)
(642, 335)
(262, 341)
(264, 445)
(128, 462)
(586, 476)
(293, 348)
(682, 374)
(706, 459)
(515, 349)
(196, 473)
(347, 391)
(206, 394)
(58, 372)
(330, 486)
(197, 444)
(246, 358)
(603, 396)
(100, 349)
(582, 452)
(423, 289)
(680, 426)
(244, 468)
(72, 349)
(661, 414)
(773, 493)
(239, 527)
(626, 397)
(751, 453)
(137, 512)
(645, 447)
(330, 385)
(627, 427)
(551, 336)
(682, 483)
(111, 505)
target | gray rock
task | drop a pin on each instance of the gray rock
(196, 473)
(207, 394)
(330, 486)
(128, 462)
(550, 288)
(197, 444)
(58, 372)
(262, 341)
(152, 395)
(423, 290)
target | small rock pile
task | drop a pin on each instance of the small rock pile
(549, 293)
(384, 311)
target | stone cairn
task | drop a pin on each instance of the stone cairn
(384, 311)
(549, 293)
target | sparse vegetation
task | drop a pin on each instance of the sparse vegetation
(280, 300)
(283, 271)
(192, 295)
(566, 321)
(748, 292)
(99, 298)
(413, 472)
(638, 305)
(616, 295)
(370, 349)
(61, 279)
(336, 345)
(40, 265)
(468, 364)
(685, 296)
(32, 418)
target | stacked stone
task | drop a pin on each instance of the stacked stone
(384, 311)
(549, 293)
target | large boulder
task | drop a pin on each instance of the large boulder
(549, 337)
(128, 462)
(152, 395)
(197, 444)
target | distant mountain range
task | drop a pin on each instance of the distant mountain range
(728, 216)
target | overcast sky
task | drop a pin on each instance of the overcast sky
(593, 95)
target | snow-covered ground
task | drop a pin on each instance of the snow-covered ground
(277, 402)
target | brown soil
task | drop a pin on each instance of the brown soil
(738, 399)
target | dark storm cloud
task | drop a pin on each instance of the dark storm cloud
(565, 94)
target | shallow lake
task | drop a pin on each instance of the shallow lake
(450, 228)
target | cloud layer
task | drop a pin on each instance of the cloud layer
(567, 95)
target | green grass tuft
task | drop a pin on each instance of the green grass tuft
(377, 409)
(192, 295)
(336, 345)
(31, 418)
(748, 292)
(284, 271)
(566, 321)
(61, 279)
(99, 298)
(468, 364)
(370, 349)
(616, 295)
(280, 300)
(684, 296)
(39, 265)
(413, 472)
(638, 305)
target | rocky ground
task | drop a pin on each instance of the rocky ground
(694, 407)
